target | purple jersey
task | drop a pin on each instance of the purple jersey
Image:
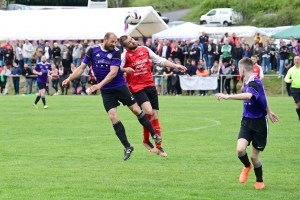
(101, 62)
(43, 67)
(256, 107)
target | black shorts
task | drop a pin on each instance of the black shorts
(41, 85)
(296, 94)
(112, 97)
(255, 131)
(147, 94)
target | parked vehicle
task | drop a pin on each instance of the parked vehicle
(17, 7)
(166, 19)
(225, 16)
(175, 23)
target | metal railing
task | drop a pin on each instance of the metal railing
(267, 75)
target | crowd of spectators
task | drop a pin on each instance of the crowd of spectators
(202, 57)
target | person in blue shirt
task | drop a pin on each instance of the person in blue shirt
(106, 62)
(42, 69)
(16, 72)
(254, 124)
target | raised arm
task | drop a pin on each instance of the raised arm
(114, 69)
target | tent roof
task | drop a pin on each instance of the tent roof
(285, 34)
(192, 31)
(185, 31)
(240, 31)
(75, 24)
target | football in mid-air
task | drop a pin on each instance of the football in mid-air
(132, 17)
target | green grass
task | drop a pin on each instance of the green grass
(70, 151)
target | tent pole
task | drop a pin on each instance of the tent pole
(139, 32)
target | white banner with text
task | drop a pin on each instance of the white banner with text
(198, 82)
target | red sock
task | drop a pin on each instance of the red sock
(146, 132)
(156, 126)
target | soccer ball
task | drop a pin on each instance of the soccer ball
(132, 17)
(88, 91)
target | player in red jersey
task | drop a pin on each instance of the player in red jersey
(137, 63)
(257, 70)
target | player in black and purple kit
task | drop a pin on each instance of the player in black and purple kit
(106, 62)
(41, 69)
(254, 124)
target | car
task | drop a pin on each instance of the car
(17, 7)
(175, 23)
(166, 19)
(225, 16)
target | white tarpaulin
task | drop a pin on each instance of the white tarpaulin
(192, 31)
(184, 31)
(198, 82)
(76, 24)
(240, 31)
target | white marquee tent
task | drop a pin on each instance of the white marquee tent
(192, 31)
(184, 31)
(76, 24)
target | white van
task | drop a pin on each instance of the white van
(225, 16)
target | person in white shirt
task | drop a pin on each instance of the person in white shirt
(27, 53)
(48, 52)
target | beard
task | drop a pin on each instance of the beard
(133, 47)
(109, 47)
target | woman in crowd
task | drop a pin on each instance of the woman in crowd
(54, 78)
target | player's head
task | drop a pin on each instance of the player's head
(297, 60)
(245, 66)
(128, 42)
(254, 59)
(43, 59)
(110, 41)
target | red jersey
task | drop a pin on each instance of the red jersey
(257, 70)
(139, 61)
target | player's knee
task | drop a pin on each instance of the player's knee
(254, 158)
(113, 117)
(240, 151)
(136, 109)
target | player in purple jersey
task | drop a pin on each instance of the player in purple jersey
(254, 124)
(106, 61)
(42, 69)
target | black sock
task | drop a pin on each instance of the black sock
(44, 100)
(245, 160)
(120, 132)
(258, 172)
(37, 99)
(143, 119)
(298, 112)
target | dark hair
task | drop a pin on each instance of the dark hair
(286, 64)
(189, 60)
(122, 39)
(254, 56)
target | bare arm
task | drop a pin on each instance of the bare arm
(36, 72)
(77, 72)
(242, 96)
(109, 77)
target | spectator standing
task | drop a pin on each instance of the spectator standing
(238, 53)
(27, 73)
(47, 52)
(284, 56)
(16, 72)
(19, 55)
(55, 79)
(226, 52)
(27, 53)
(266, 58)
(76, 54)
(40, 51)
(288, 85)
(56, 54)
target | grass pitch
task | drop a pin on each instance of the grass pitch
(70, 151)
